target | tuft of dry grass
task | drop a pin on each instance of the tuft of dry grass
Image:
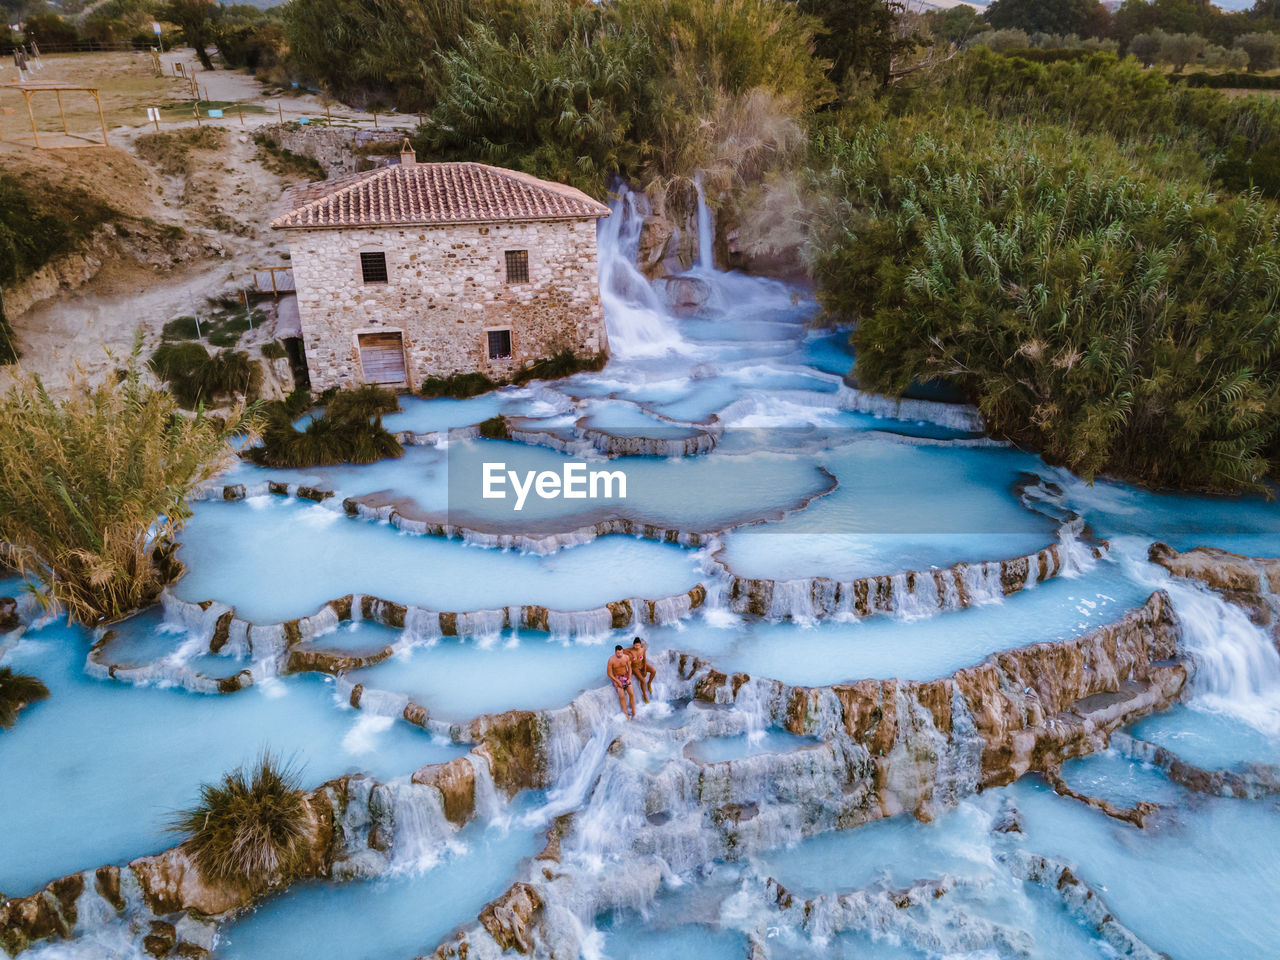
(94, 487)
(17, 690)
(251, 829)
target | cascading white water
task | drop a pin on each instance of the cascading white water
(1237, 665)
(706, 238)
(422, 834)
(638, 322)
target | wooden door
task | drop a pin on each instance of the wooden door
(382, 357)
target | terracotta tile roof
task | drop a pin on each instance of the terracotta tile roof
(433, 193)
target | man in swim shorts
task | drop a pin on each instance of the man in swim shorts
(641, 669)
(619, 674)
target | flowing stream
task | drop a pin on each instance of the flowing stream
(781, 526)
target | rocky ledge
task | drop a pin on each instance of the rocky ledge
(888, 747)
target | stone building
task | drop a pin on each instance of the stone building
(434, 269)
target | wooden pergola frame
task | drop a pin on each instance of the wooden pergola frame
(29, 87)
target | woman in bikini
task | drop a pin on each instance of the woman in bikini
(619, 674)
(640, 668)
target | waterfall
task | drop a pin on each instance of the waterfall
(706, 238)
(489, 806)
(638, 323)
(1237, 667)
(422, 833)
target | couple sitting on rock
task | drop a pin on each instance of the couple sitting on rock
(626, 665)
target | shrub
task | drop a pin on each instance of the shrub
(197, 378)
(251, 830)
(1119, 324)
(221, 327)
(94, 483)
(17, 690)
(564, 364)
(1161, 121)
(368, 400)
(1229, 81)
(274, 350)
(350, 431)
(1241, 171)
(495, 428)
(1057, 55)
(459, 386)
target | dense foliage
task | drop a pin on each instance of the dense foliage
(583, 93)
(94, 488)
(252, 829)
(381, 52)
(1184, 131)
(348, 431)
(198, 378)
(1118, 323)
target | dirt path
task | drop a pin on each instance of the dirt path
(224, 206)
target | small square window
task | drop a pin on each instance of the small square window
(373, 267)
(517, 266)
(499, 344)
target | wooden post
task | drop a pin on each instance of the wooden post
(35, 135)
(375, 119)
(280, 110)
(157, 119)
(240, 113)
(61, 113)
(272, 271)
(195, 108)
(101, 119)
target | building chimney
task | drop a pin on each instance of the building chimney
(407, 157)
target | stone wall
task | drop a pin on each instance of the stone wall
(334, 148)
(446, 288)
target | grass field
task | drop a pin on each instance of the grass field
(127, 85)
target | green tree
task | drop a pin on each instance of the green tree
(861, 38)
(195, 17)
(1146, 46)
(1002, 41)
(1085, 18)
(1261, 48)
(1180, 49)
(366, 50)
(50, 30)
(958, 24)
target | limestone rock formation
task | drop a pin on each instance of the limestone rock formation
(509, 918)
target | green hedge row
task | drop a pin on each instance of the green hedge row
(1228, 81)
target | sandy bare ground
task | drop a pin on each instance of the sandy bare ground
(93, 327)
